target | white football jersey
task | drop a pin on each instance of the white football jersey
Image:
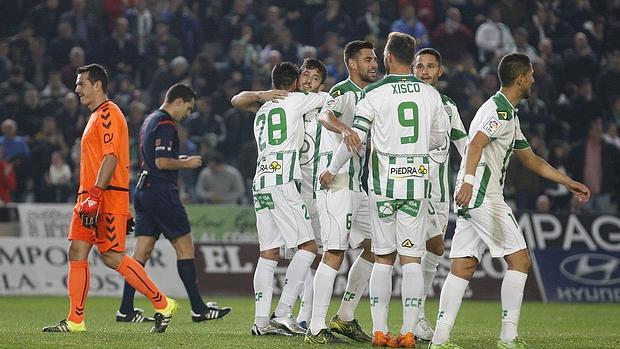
(406, 119)
(279, 134)
(341, 102)
(440, 174)
(309, 150)
(498, 119)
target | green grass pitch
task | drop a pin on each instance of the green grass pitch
(542, 325)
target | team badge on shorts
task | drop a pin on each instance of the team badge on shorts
(407, 244)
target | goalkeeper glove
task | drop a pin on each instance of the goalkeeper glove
(89, 208)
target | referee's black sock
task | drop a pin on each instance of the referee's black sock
(187, 272)
(128, 295)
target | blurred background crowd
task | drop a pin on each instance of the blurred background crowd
(222, 47)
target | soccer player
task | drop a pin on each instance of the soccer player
(311, 79)
(281, 215)
(344, 205)
(483, 216)
(406, 119)
(157, 192)
(428, 68)
(101, 216)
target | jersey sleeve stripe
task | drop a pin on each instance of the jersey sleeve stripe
(359, 127)
(376, 178)
(521, 144)
(457, 134)
(359, 118)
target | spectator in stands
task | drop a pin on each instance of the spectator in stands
(232, 22)
(71, 119)
(12, 91)
(5, 62)
(597, 164)
(371, 25)
(203, 124)
(270, 26)
(580, 60)
(288, 48)
(553, 60)
(140, 24)
(609, 78)
(332, 18)
(59, 178)
(558, 158)
(55, 89)
(521, 44)
(86, 26)
(235, 66)
(452, 38)
(45, 142)
(219, 183)
(121, 51)
(611, 135)
(585, 107)
(166, 76)
(614, 114)
(16, 152)
(182, 25)
(38, 65)
(543, 204)
(30, 114)
(494, 37)
(161, 47)
(60, 47)
(7, 179)
(409, 24)
(77, 58)
(558, 31)
(20, 43)
(44, 18)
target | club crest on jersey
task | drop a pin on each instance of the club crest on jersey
(331, 103)
(492, 126)
(502, 115)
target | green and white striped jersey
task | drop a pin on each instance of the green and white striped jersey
(308, 150)
(440, 176)
(406, 119)
(279, 134)
(341, 102)
(498, 119)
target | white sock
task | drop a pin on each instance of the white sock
(323, 288)
(430, 262)
(305, 310)
(449, 303)
(263, 290)
(357, 281)
(295, 275)
(380, 293)
(412, 289)
(512, 297)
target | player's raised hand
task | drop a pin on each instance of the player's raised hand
(581, 192)
(464, 194)
(193, 161)
(89, 208)
(351, 139)
(272, 95)
(326, 179)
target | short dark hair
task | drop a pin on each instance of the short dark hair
(512, 66)
(216, 157)
(96, 72)
(179, 91)
(312, 63)
(432, 52)
(353, 48)
(283, 75)
(402, 47)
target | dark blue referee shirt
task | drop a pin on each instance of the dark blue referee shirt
(159, 139)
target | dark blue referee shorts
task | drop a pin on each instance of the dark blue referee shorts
(159, 210)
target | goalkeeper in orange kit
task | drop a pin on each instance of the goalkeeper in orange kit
(101, 216)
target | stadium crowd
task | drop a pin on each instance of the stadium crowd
(223, 47)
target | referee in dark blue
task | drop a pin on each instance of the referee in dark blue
(157, 204)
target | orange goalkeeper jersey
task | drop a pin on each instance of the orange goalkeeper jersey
(106, 133)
